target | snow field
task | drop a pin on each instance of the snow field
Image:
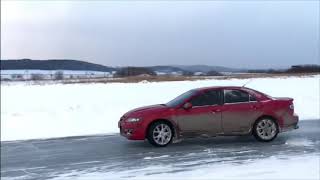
(59, 110)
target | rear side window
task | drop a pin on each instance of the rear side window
(252, 98)
(206, 99)
(235, 96)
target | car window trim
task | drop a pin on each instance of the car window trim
(240, 102)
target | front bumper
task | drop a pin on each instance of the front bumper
(132, 131)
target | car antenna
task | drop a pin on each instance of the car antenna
(247, 82)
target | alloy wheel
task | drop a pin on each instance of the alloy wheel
(266, 129)
(162, 134)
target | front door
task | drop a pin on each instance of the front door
(204, 117)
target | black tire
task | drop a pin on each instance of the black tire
(258, 136)
(150, 132)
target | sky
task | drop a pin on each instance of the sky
(238, 34)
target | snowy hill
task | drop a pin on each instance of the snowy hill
(61, 64)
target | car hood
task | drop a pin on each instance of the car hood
(147, 109)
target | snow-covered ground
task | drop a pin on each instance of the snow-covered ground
(58, 110)
(303, 167)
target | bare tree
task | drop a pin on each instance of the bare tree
(16, 76)
(36, 77)
(58, 75)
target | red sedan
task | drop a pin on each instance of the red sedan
(211, 111)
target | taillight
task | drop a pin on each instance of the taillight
(291, 106)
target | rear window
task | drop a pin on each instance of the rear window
(235, 96)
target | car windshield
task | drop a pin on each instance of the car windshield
(180, 99)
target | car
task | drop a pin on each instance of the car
(211, 111)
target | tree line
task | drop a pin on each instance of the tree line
(313, 68)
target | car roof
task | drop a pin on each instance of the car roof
(220, 87)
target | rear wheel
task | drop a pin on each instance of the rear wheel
(265, 129)
(160, 134)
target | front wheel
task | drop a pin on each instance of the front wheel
(265, 130)
(160, 134)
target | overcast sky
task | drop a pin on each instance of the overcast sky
(246, 34)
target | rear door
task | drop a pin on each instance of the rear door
(240, 110)
(204, 117)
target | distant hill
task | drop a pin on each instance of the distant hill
(194, 68)
(166, 69)
(65, 64)
(53, 65)
(206, 68)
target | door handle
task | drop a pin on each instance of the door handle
(215, 111)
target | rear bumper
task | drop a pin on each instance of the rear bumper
(290, 127)
(291, 124)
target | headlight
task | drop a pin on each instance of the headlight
(133, 120)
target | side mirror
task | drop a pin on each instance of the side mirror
(187, 106)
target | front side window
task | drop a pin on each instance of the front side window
(235, 96)
(207, 98)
